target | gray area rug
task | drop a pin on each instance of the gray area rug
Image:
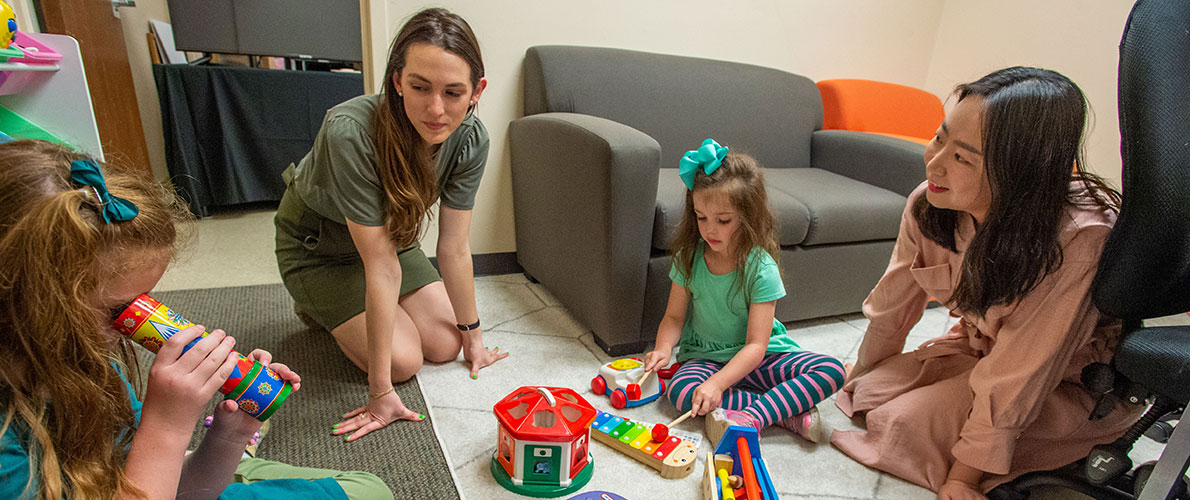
(406, 455)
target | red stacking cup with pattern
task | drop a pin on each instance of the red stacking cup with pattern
(255, 388)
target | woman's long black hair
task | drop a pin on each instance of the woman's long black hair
(1033, 121)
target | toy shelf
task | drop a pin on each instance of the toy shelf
(53, 100)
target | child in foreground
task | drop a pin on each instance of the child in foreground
(75, 247)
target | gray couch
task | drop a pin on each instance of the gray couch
(596, 192)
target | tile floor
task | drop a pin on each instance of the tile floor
(550, 348)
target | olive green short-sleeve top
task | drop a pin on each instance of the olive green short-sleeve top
(338, 177)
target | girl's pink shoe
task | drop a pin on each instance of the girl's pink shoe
(720, 419)
(807, 425)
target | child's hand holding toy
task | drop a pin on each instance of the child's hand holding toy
(180, 384)
(238, 426)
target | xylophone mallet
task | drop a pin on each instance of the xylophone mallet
(633, 390)
(661, 431)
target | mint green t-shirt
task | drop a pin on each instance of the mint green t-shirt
(717, 323)
(338, 178)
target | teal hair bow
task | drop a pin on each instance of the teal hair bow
(708, 156)
(87, 173)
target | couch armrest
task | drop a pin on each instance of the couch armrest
(584, 194)
(893, 164)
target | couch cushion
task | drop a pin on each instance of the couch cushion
(793, 218)
(841, 209)
(678, 100)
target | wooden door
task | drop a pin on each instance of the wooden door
(109, 76)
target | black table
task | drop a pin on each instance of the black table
(231, 131)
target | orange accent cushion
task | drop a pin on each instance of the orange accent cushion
(882, 107)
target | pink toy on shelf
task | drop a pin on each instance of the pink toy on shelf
(33, 67)
(35, 51)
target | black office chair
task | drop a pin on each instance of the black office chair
(1145, 268)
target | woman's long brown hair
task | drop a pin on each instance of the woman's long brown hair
(741, 180)
(57, 382)
(404, 160)
(1033, 122)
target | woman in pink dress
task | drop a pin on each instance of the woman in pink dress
(1007, 236)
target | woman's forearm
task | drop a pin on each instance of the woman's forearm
(380, 303)
(458, 275)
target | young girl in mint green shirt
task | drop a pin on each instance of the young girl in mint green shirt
(739, 365)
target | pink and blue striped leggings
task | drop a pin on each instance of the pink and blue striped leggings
(784, 385)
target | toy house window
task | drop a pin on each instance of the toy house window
(519, 411)
(544, 419)
(578, 452)
(505, 446)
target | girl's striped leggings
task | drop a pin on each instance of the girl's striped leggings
(784, 385)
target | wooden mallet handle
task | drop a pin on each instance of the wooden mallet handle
(681, 418)
(643, 377)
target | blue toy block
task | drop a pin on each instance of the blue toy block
(727, 445)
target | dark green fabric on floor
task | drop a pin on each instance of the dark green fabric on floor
(406, 455)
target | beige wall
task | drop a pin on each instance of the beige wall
(880, 40)
(136, 23)
(930, 44)
(1076, 38)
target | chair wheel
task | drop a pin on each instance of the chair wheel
(1159, 431)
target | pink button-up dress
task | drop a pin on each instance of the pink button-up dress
(1000, 393)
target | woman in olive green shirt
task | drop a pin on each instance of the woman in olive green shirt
(350, 219)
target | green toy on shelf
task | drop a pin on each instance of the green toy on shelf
(18, 127)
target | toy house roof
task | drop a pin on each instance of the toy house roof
(544, 414)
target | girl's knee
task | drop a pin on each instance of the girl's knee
(834, 369)
(673, 392)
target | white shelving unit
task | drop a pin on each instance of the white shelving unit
(58, 102)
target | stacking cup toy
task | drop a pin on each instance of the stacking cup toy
(255, 388)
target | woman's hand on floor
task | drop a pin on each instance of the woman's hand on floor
(377, 414)
(958, 490)
(479, 355)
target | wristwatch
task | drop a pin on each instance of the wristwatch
(467, 328)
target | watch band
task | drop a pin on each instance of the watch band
(467, 328)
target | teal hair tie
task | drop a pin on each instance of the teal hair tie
(87, 173)
(709, 156)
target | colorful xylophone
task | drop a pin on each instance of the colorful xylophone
(674, 458)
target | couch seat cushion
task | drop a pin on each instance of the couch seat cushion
(841, 209)
(793, 218)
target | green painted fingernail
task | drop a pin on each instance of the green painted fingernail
(474, 377)
(423, 417)
(343, 415)
(347, 438)
(336, 426)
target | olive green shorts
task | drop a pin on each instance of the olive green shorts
(322, 269)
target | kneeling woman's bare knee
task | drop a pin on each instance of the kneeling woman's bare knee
(442, 343)
(405, 365)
